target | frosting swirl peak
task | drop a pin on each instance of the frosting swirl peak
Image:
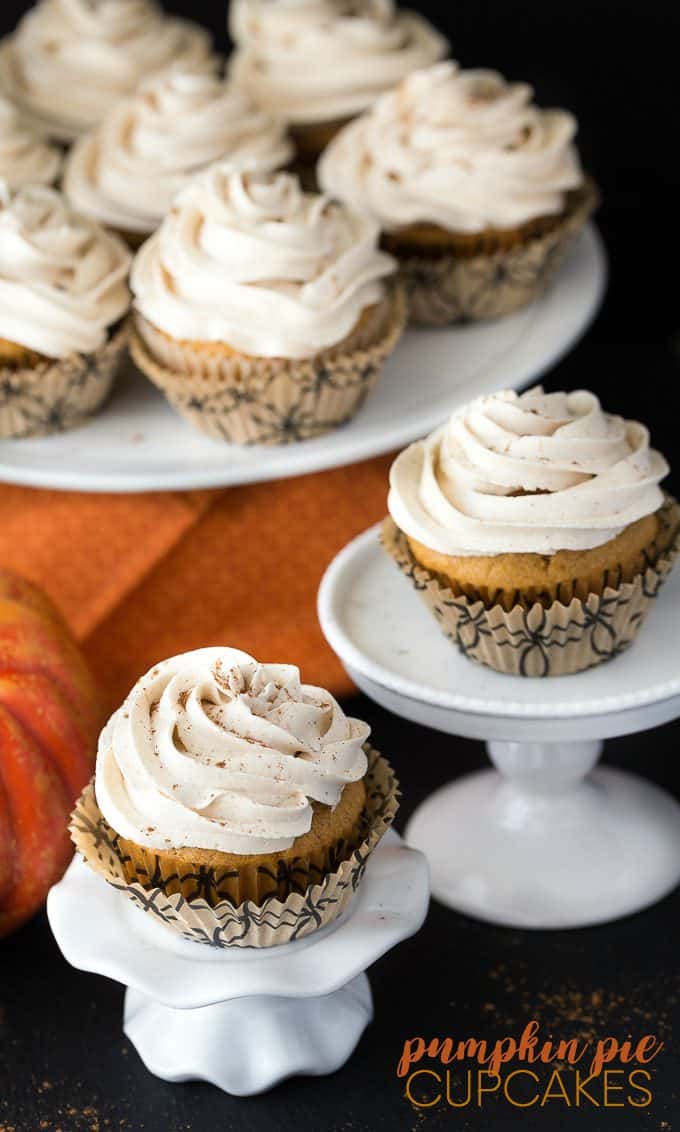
(212, 750)
(253, 261)
(526, 473)
(462, 149)
(62, 277)
(62, 48)
(318, 60)
(150, 145)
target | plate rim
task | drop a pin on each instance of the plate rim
(344, 452)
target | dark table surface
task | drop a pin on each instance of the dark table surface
(64, 1063)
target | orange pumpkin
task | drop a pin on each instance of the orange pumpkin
(49, 719)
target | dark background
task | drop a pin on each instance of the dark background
(63, 1061)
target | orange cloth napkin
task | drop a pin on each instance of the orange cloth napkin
(141, 577)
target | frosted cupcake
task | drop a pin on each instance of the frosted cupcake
(261, 311)
(69, 61)
(25, 157)
(535, 528)
(226, 781)
(148, 147)
(478, 191)
(63, 299)
(318, 63)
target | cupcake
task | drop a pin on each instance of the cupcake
(477, 191)
(226, 781)
(261, 311)
(63, 301)
(318, 63)
(127, 173)
(25, 157)
(69, 61)
(534, 526)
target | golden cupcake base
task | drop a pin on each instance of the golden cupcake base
(48, 395)
(248, 924)
(457, 277)
(257, 400)
(555, 639)
(215, 876)
(525, 579)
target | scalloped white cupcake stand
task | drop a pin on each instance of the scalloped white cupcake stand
(242, 1018)
(547, 840)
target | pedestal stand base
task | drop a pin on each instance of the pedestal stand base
(277, 1037)
(548, 842)
(242, 1018)
(607, 847)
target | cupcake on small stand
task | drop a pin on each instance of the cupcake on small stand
(248, 800)
(63, 302)
(534, 514)
(127, 173)
(263, 313)
(478, 192)
(318, 63)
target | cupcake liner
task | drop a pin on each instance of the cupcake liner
(443, 287)
(256, 400)
(59, 394)
(556, 640)
(249, 924)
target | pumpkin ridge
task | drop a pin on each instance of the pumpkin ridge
(80, 743)
(8, 890)
(42, 749)
(71, 695)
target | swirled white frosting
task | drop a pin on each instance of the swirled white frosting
(149, 146)
(462, 149)
(318, 60)
(69, 61)
(582, 476)
(62, 277)
(25, 157)
(253, 261)
(212, 750)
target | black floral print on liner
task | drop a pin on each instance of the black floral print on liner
(553, 641)
(248, 925)
(271, 403)
(58, 395)
(443, 289)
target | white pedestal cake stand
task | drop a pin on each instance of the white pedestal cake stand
(242, 1018)
(546, 841)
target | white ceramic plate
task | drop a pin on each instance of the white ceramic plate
(138, 443)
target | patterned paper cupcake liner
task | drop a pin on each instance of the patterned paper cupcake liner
(444, 288)
(255, 400)
(249, 925)
(54, 396)
(557, 640)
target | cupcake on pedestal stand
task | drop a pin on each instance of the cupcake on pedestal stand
(238, 818)
(547, 840)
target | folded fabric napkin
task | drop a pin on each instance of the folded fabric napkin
(140, 577)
